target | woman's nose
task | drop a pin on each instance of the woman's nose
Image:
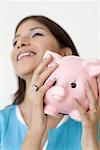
(23, 42)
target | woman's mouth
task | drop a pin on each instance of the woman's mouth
(26, 54)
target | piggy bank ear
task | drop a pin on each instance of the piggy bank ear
(56, 57)
(92, 66)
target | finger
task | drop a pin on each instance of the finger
(43, 65)
(91, 96)
(46, 86)
(98, 83)
(81, 110)
(47, 72)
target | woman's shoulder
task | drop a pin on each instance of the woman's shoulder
(8, 108)
(5, 112)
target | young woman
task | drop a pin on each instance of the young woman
(23, 125)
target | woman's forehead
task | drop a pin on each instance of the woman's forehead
(30, 24)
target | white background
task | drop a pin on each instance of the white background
(81, 19)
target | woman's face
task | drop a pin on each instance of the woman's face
(30, 43)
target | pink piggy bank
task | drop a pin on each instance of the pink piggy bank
(71, 75)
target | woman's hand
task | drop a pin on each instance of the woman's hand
(38, 119)
(90, 119)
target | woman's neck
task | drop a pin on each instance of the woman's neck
(24, 109)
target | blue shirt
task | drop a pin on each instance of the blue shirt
(12, 133)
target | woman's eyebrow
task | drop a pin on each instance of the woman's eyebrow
(38, 28)
(32, 29)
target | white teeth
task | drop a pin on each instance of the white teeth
(25, 54)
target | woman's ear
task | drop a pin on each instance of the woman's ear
(65, 51)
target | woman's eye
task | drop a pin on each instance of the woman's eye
(14, 43)
(37, 34)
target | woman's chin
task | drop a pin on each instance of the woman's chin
(24, 73)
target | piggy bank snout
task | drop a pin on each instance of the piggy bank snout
(58, 92)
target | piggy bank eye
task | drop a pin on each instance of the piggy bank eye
(73, 85)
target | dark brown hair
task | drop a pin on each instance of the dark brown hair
(62, 37)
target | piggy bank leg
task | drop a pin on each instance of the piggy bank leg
(75, 115)
(50, 110)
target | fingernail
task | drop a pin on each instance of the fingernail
(53, 64)
(49, 55)
(53, 79)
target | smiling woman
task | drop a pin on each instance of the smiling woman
(24, 120)
(40, 31)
